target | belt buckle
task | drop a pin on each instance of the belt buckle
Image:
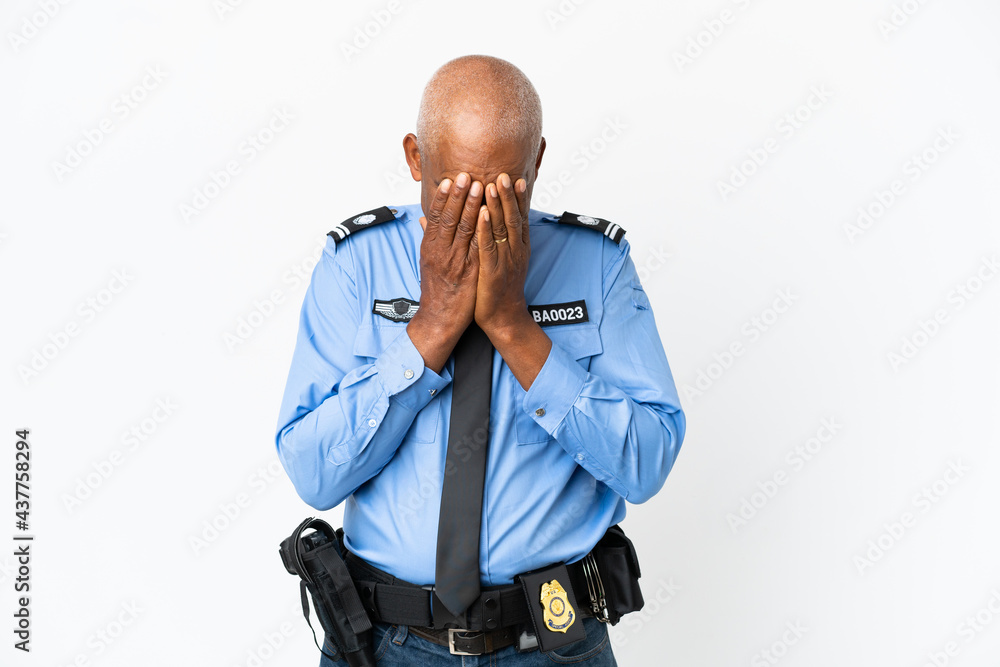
(451, 642)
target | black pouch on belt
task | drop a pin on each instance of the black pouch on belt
(554, 611)
(317, 558)
(619, 570)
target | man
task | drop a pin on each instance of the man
(581, 410)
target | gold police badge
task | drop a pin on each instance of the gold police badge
(558, 613)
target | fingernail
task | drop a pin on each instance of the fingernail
(493, 190)
(476, 189)
(505, 180)
(521, 185)
(445, 185)
(486, 214)
(462, 179)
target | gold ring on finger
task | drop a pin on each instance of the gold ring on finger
(503, 240)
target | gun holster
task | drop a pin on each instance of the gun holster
(318, 559)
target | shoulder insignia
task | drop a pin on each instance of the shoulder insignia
(360, 221)
(609, 229)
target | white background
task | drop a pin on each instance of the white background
(844, 548)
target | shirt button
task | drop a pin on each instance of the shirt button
(408, 373)
(372, 423)
(579, 457)
(540, 412)
(433, 391)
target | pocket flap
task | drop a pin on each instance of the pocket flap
(580, 341)
(372, 340)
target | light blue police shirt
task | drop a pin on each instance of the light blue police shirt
(363, 420)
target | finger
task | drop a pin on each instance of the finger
(499, 229)
(470, 214)
(511, 214)
(452, 213)
(474, 241)
(437, 205)
(484, 237)
(521, 192)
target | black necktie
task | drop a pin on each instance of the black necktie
(456, 575)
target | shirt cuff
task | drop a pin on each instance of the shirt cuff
(555, 389)
(404, 377)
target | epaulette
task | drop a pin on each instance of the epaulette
(609, 229)
(361, 221)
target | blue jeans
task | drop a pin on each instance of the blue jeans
(396, 647)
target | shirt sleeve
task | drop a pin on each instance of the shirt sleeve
(622, 420)
(342, 417)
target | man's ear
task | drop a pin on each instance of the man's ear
(412, 154)
(538, 159)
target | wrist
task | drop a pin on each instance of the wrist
(504, 328)
(433, 327)
(433, 339)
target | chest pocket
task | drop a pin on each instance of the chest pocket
(581, 342)
(371, 342)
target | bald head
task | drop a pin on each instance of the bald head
(480, 116)
(479, 100)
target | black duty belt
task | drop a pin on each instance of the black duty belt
(395, 601)
(461, 642)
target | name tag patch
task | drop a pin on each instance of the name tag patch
(571, 312)
(397, 310)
